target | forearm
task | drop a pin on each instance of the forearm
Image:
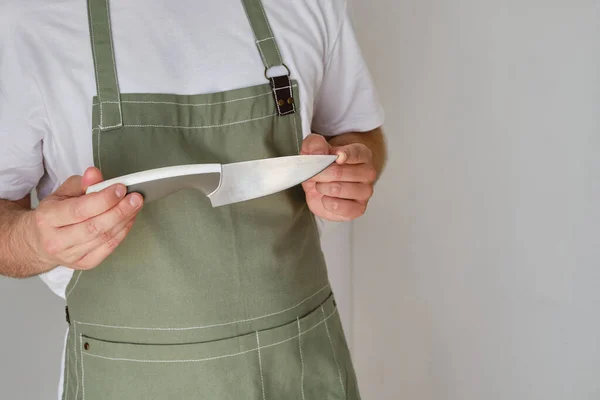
(18, 258)
(374, 140)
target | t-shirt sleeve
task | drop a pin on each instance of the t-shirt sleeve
(347, 100)
(23, 119)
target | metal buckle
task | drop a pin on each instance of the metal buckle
(275, 66)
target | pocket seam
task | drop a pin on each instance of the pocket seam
(206, 358)
(333, 352)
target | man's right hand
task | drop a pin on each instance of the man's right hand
(80, 230)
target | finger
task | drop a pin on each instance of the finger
(101, 225)
(98, 254)
(77, 252)
(310, 188)
(352, 154)
(347, 173)
(315, 145)
(78, 209)
(346, 190)
(345, 209)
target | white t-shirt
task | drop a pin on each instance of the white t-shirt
(161, 46)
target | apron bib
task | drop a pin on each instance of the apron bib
(199, 302)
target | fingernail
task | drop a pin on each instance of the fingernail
(318, 153)
(335, 205)
(119, 191)
(134, 201)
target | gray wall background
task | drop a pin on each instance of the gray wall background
(477, 268)
(475, 273)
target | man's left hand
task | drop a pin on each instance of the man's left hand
(342, 191)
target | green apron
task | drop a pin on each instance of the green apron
(203, 303)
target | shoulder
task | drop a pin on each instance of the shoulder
(29, 28)
(323, 14)
(316, 21)
(16, 25)
(31, 15)
(14, 13)
(19, 20)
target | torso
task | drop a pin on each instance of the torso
(182, 47)
(201, 301)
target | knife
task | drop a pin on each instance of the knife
(223, 183)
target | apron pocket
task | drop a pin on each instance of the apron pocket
(304, 359)
(120, 371)
(312, 364)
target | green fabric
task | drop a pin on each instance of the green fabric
(263, 35)
(107, 84)
(198, 284)
(306, 358)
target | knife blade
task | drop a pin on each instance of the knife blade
(223, 183)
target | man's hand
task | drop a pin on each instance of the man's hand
(342, 191)
(80, 230)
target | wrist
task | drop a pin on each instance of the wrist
(30, 241)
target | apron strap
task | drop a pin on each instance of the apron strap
(263, 35)
(270, 55)
(107, 84)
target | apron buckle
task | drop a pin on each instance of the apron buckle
(282, 92)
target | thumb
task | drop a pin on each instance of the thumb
(76, 185)
(70, 188)
(91, 176)
(315, 144)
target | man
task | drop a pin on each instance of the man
(175, 299)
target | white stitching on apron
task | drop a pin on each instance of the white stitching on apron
(292, 93)
(97, 79)
(269, 28)
(82, 371)
(262, 54)
(113, 126)
(262, 381)
(262, 40)
(99, 166)
(198, 126)
(67, 373)
(276, 102)
(254, 34)
(114, 69)
(95, 62)
(301, 357)
(296, 133)
(76, 359)
(195, 105)
(201, 126)
(191, 104)
(213, 358)
(286, 87)
(333, 351)
(207, 326)
(76, 281)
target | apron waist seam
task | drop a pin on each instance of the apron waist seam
(205, 326)
(323, 318)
